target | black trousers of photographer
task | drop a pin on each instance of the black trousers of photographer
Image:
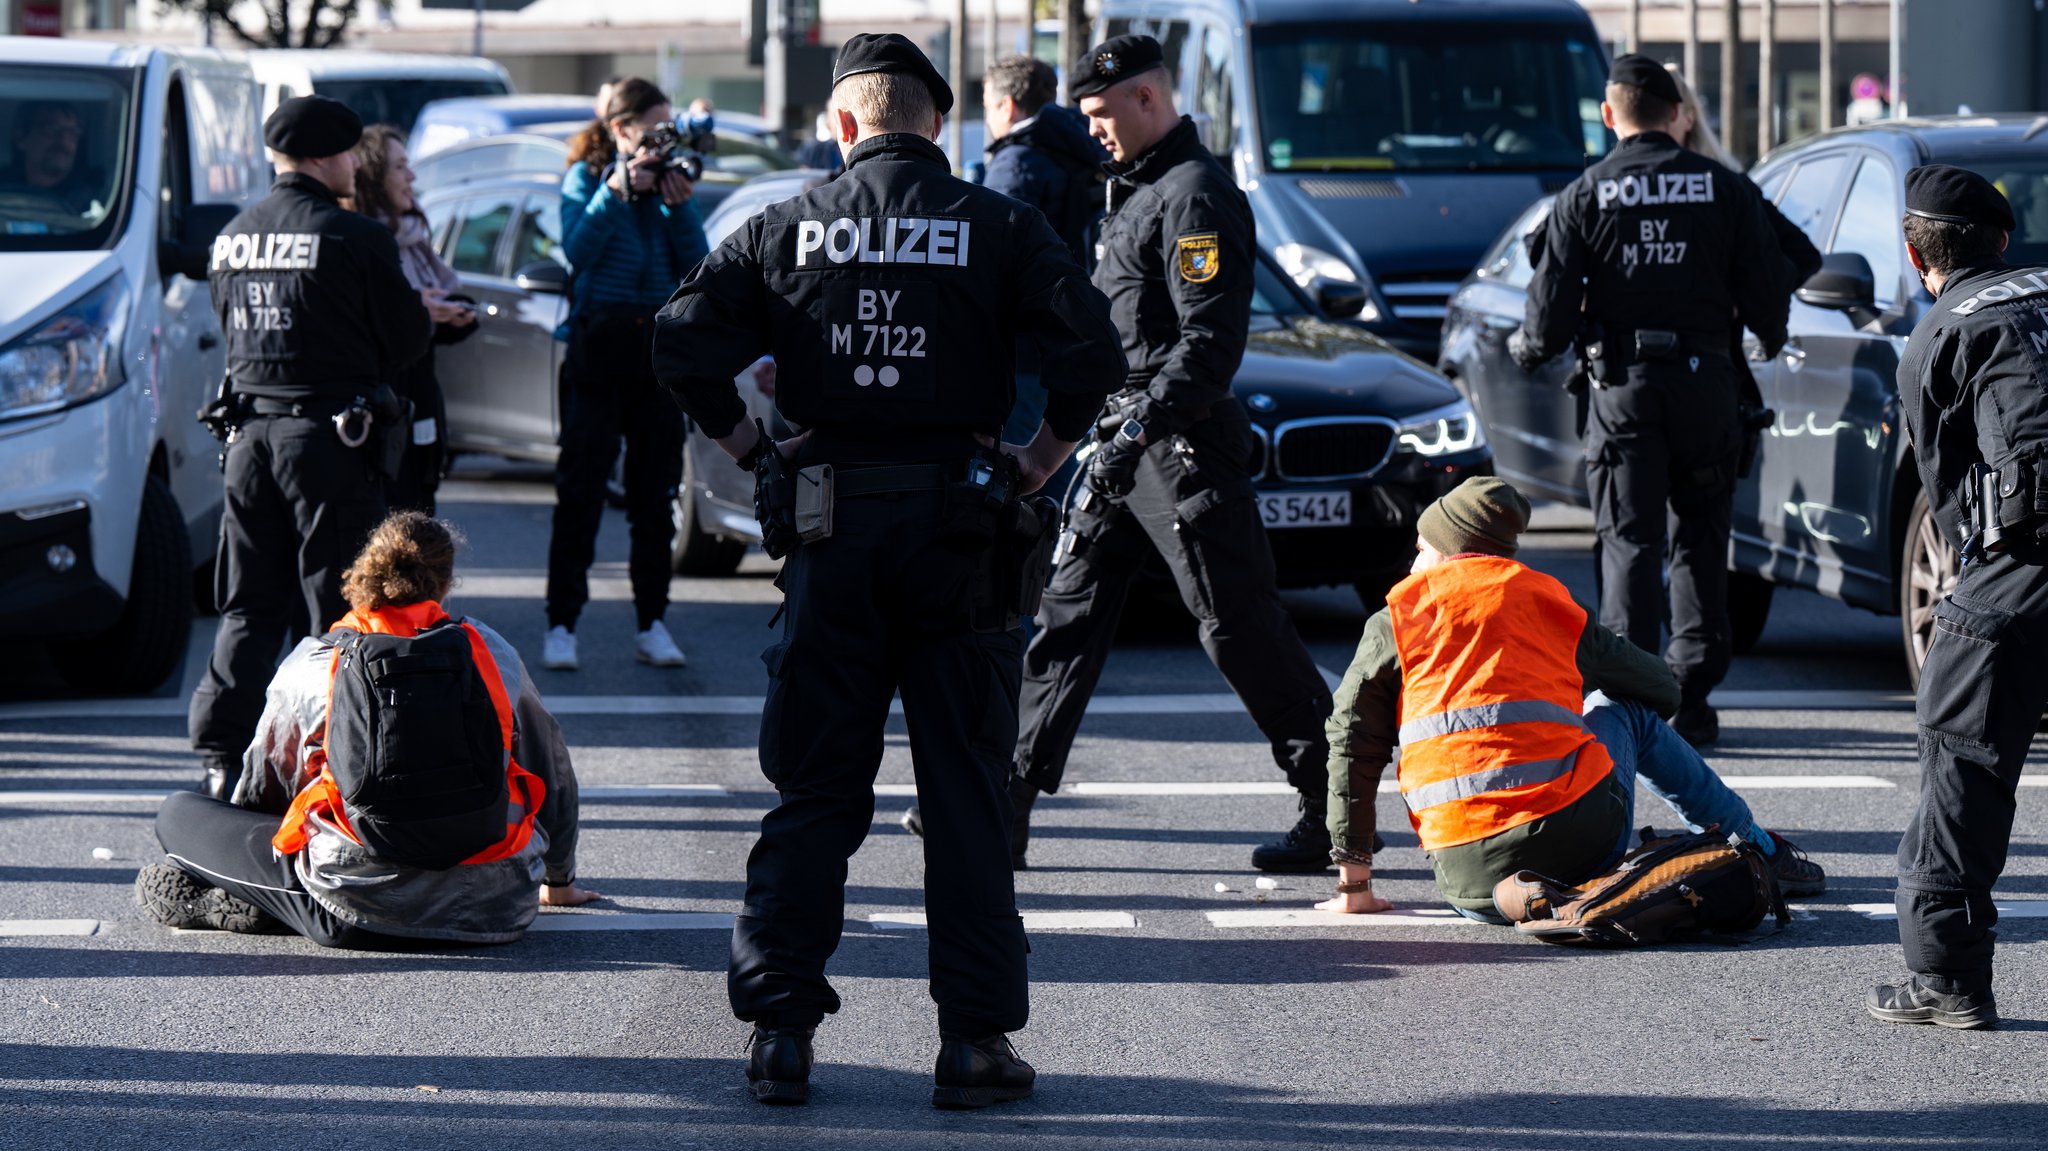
(299, 504)
(882, 608)
(609, 394)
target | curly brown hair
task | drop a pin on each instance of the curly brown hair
(409, 559)
(593, 146)
(373, 164)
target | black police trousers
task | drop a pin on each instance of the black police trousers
(609, 394)
(1195, 508)
(1662, 445)
(880, 608)
(299, 505)
(1982, 692)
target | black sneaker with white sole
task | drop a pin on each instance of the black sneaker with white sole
(1914, 1002)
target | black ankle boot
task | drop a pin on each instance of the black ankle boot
(220, 779)
(779, 1064)
(974, 1073)
(1022, 796)
(1304, 850)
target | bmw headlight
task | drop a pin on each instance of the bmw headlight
(1305, 264)
(1446, 431)
(71, 357)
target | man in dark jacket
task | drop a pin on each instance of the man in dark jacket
(318, 313)
(1040, 152)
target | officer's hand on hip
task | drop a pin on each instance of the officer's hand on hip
(1524, 352)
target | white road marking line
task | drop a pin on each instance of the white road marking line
(1812, 700)
(41, 798)
(48, 926)
(1256, 787)
(1033, 920)
(1830, 782)
(456, 491)
(650, 790)
(1308, 917)
(633, 921)
(2007, 908)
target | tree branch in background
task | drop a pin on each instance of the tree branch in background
(326, 22)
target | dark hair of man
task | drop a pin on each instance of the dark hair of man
(1640, 107)
(1946, 247)
(631, 96)
(1028, 81)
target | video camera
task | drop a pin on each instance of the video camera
(676, 151)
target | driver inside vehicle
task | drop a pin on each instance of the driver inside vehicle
(46, 140)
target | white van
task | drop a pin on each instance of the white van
(381, 87)
(118, 166)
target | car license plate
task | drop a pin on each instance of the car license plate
(1305, 509)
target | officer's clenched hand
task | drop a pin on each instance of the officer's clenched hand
(1113, 469)
(1524, 352)
(1039, 459)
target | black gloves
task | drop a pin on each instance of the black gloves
(1524, 352)
(1114, 467)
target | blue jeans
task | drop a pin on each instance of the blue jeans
(1644, 747)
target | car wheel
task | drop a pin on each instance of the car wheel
(698, 552)
(1749, 607)
(148, 642)
(1928, 569)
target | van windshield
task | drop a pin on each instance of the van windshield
(398, 100)
(1428, 96)
(69, 132)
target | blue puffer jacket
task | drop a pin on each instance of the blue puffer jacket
(625, 252)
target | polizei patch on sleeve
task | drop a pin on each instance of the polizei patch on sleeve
(1198, 257)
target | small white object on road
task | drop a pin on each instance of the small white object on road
(103, 853)
(1222, 887)
(1266, 883)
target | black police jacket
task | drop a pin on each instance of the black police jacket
(1655, 236)
(312, 298)
(1973, 387)
(1175, 259)
(892, 298)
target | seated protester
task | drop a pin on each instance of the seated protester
(323, 836)
(1475, 673)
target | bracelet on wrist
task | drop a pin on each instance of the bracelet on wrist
(1354, 886)
(1351, 856)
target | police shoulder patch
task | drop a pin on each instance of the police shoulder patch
(1199, 257)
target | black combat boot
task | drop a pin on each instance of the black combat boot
(1912, 1001)
(1304, 850)
(176, 899)
(779, 1064)
(974, 1073)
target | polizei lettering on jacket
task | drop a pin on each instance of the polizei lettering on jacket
(265, 251)
(881, 240)
(1656, 188)
(2031, 284)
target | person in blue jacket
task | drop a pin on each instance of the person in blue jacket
(631, 233)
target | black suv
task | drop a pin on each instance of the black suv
(1834, 503)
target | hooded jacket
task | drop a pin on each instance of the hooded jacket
(1051, 163)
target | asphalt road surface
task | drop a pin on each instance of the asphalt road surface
(1166, 1013)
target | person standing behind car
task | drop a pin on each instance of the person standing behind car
(318, 316)
(1665, 252)
(631, 233)
(383, 192)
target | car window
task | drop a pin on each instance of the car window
(1870, 227)
(1173, 41)
(1271, 295)
(1809, 197)
(740, 156)
(441, 224)
(539, 238)
(1769, 183)
(2024, 180)
(484, 221)
(1213, 95)
(1508, 260)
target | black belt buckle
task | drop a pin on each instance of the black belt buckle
(1655, 344)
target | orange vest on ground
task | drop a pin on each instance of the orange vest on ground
(1491, 734)
(525, 790)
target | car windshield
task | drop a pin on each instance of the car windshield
(1422, 97)
(2025, 183)
(395, 100)
(69, 137)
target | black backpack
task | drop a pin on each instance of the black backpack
(415, 746)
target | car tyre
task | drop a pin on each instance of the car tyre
(1928, 568)
(1749, 608)
(699, 552)
(148, 642)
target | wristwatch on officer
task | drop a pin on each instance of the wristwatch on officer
(1132, 431)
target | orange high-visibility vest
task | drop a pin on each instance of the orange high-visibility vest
(525, 790)
(1491, 734)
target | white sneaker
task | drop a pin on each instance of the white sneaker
(656, 647)
(559, 652)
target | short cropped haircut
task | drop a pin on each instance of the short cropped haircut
(1945, 247)
(1027, 80)
(1640, 106)
(887, 101)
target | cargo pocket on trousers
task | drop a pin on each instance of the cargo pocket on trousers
(1196, 526)
(776, 717)
(1958, 683)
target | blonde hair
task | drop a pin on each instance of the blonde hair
(1700, 139)
(409, 559)
(887, 102)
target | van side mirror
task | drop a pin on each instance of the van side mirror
(1844, 283)
(189, 255)
(1339, 300)
(543, 276)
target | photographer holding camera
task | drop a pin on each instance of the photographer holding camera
(631, 233)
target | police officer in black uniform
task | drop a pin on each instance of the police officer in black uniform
(1171, 474)
(1973, 387)
(1651, 259)
(892, 298)
(318, 314)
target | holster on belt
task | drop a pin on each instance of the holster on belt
(775, 502)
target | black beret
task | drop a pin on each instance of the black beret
(1645, 73)
(312, 127)
(1956, 196)
(1112, 62)
(891, 52)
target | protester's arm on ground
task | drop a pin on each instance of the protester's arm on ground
(1362, 733)
(1611, 664)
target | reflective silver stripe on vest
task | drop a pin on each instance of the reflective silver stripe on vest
(1488, 715)
(1493, 779)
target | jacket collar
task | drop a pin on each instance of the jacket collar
(1650, 139)
(300, 182)
(408, 620)
(899, 146)
(1167, 151)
